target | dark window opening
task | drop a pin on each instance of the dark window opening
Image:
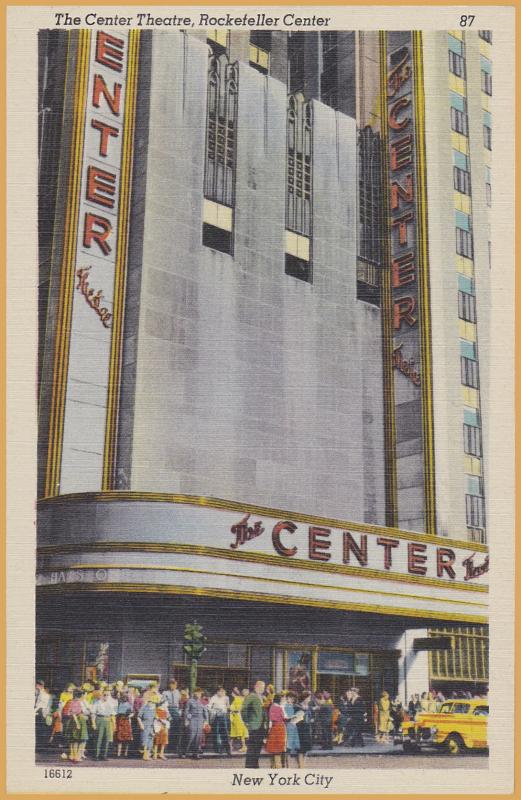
(298, 268)
(462, 180)
(217, 238)
(261, 39)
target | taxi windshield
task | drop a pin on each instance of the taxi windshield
(460, 708)
(446, 708)
(481, 711)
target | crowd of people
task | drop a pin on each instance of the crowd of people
(95, 719)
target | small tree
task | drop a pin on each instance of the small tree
(194, 646)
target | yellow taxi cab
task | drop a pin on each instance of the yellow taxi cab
(458, 726)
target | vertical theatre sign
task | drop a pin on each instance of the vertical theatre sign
(406, 264)
(98, 198)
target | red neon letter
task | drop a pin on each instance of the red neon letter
(394, 122)
(109, 51)
(100, 88)
(403, 308)
(402, 192)
(105, 131)
(401, 152)
(401, 223)
(359, 551)
(318, 543)
(101, 187)
(275, 537)
(99, 236)
(415, 559)
(388, 545)
(404, 269)
(445, 559)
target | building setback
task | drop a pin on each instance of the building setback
(259, 375)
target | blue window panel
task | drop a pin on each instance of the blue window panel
(467, 349)
(486, 65)
(457, 101)
(465, 284)
(470, 417)
(473, 485)
(454, 44)
(488, 175)
(487, 118)
(460, 160)
(462, 220)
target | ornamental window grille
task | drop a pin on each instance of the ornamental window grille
(221, 130)
(370, 191)
(299, 160)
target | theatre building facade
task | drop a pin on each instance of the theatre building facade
(236, 404)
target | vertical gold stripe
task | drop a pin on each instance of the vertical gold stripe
(120, 277)
(62, 336)
(391, 493)
(423, 289)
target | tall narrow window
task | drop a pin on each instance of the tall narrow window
(464, 243)
(220, 156)
(462, 180)
(260, 48)
(299, 182)
(456, 64)
(370, 219)
(469, 372)
(466, 307)
(459, 121)
(329, 74)
(486, 82)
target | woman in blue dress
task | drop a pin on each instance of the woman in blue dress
(291, 710)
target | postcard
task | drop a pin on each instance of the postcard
(260, 400)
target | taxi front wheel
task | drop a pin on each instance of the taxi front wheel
(410, 747)
(454, 744)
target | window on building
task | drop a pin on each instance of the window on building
(469, 372)
(459, 121)
(475, 507)
(464, 243)
(472, 440)
(456, 64)
(260, 48)
(296, 49)
(462, 180)
(487, 137)
(466, 306)
(488, 193)
(218, 39)
(299, 182)
(370, 219)
(486, 35)
(486, 82)
(221, 155)
(329, 74)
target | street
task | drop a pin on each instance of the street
(371, 757)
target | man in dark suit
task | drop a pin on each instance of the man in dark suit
(357, 714)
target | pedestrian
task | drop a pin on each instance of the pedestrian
(291, 712)
(357, 716)
(76, 733)
(161, 726)
(102, 722)
(42, 709)
(384, 718)
(254, 716)
(304, 723)
(195, 715)
(56, 737)
(145, 718)
(238, 730)
(397, 715)
(123, 734)
(324, 722)
(183, 733)
(218, 709)
(172, 696)
(276, 741)
(424, 702)
(344, 706)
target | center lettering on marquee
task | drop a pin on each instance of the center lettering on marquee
(101, 184)
(360, 550)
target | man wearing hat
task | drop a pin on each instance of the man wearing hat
(357, 717)
(172, 697)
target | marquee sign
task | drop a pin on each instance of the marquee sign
(94, 261)
(407, 243)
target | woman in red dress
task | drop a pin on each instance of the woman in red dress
(276, 742)
(161, 728)
(123, 733)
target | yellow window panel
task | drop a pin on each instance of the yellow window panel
(224, 217)
(456, 84)
(219, 35)
(472, 465)
(485, 101)
(303, 247)
(209, 212)
(467, 330)
(291, 244)
(470, 396)
(460, 142)
(457, 34)
(465, 266)
(485, 48)
(462, 202)
(487, 156)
